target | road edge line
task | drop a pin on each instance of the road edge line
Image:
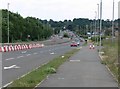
(41, 82)
(24, 75)
(109, 70)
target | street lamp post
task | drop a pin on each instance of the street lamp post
(95, 26)
(8, 21)
(100, 20)
(113, 22)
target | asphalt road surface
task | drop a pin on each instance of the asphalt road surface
(16, 64)
(82, 70)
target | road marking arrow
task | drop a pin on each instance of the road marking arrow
(10, 67)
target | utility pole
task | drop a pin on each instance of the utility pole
(8, 20)
(38, 29)
(113, 22)
(100, 20)
(95, 25)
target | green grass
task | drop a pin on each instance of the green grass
(85, 44)
(36, 76)
(111, 51)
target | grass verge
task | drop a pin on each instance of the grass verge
(36, 76)
(110, 56)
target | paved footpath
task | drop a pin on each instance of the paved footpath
(82, 70)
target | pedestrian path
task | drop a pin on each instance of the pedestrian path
(84, 69)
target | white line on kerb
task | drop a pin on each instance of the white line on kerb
(20, 56)
(9, 58)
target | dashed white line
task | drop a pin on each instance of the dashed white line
(41, 51)
(35, 53)
(52, 53)
(24, 51)
(20, 56)
(74, 60)
(9, 58)
(28, 54)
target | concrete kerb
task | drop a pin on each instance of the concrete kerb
(108, 69)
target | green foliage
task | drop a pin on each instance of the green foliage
(110, 57)
(97, 37)
(38, 29)
(21, 27)
(66, 35)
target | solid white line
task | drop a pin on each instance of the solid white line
(20, 56)
(41, 82)
(9, 58)
(7, 84)
(28, 54)
(108, 69)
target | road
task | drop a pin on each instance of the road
(16, 64)
(82, 70)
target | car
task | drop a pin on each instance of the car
(74, 44)
(81, 40)
(78, 43)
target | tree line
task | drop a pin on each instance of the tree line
(23, 29)
(35, 29)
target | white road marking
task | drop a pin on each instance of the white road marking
(52, 53)
(28, 54)
(8, 84)
(10, 67)
(20, 56)
(35, 53)
(24, 51)
(9, 58)
(74, 60)
(61, 78)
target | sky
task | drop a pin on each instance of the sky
(59, 10)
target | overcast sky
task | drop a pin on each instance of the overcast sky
(60, 9)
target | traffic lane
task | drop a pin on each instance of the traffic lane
(87, 72)
(31, 54)
(28, 63)
(14, 54)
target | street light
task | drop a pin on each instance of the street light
(8, 20)
(100, 20)
(95, 25)
(113, 22)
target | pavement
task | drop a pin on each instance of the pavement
(84, 69)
